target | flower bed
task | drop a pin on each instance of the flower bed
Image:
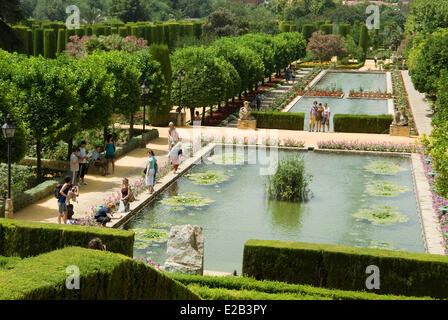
(253, 140)
(400, 97)
(369, 95)
(324, 93)
(438, 202)
(368, 146)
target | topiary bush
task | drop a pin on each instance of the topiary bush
(279, 120)
(38, 42)
(362, 123)
(290, 182)
(18, 238)
(327, 28)
(342, 267)
(49, 43)
(307, 30)
(102, 275)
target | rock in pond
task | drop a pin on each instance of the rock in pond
(185, 250)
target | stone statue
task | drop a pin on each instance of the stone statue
(245, 111)
(400, 118)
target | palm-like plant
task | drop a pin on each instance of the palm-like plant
(92, 15)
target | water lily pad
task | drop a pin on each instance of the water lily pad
(228, 158)
(141, 245)
(149, 236)
(384, 167)
(381, 215)
(385, 189)
(160, 225)
(177, 208)
(188, 199)
(381, 245)
(209, 177)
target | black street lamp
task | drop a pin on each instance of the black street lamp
(145, 90)
(180, 78)
(9, 129)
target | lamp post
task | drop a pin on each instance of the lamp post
(145, 90)
(8, 132)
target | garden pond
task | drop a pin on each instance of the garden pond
(346, 81)
(358, 200)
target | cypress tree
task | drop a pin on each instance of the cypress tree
(123, 31)
(307, 30)
(364, 38)
(38, 42)
(49, 44)
(61, 40)
(161, 53)
(327, 28)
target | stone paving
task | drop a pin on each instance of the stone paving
(419, 105)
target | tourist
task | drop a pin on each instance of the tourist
(173, 137)
(74, 165)
(70, 213)
(62, 199)
(319, 112)
(258, 98)
(197, 119)
(126, 194)
(375, 59)
(326, 118)
(313, 112)
(104, 214)
(403, 64)
(174, 155)
(83, 163)
(97, 161)
(287, 74)
(150, 171)
(96, 244)
(293, 74)
(109, 146)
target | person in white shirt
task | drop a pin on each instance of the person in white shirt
(74, 165)
(173, 136)
(82, 163)
(326, 118)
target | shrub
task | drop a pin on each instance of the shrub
(19, 238)
(362, 123)
(327, 28)
(307, 30)
(279, 120)
(224, 288)
(22, 178)
(344, 29)
(61, 40)
(341, 267)
(103, 275)
(290, 182)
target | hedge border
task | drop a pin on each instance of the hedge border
(103, 275)
(279, 120)
(342, 267)
(361, 123)
(19, 238)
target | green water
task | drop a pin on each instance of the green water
(353, 80)
(241, 210)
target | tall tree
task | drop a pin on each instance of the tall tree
(326, 46)
(127, 10)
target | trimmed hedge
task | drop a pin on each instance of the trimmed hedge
(307, 30)
(344, 29)
(102, 275)
(229, 287)
(342, 267)
(279, 120)
(61, 40)
(38, 42)
(362, 123)
(327, 28)
(24, 238)
(49, 43)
